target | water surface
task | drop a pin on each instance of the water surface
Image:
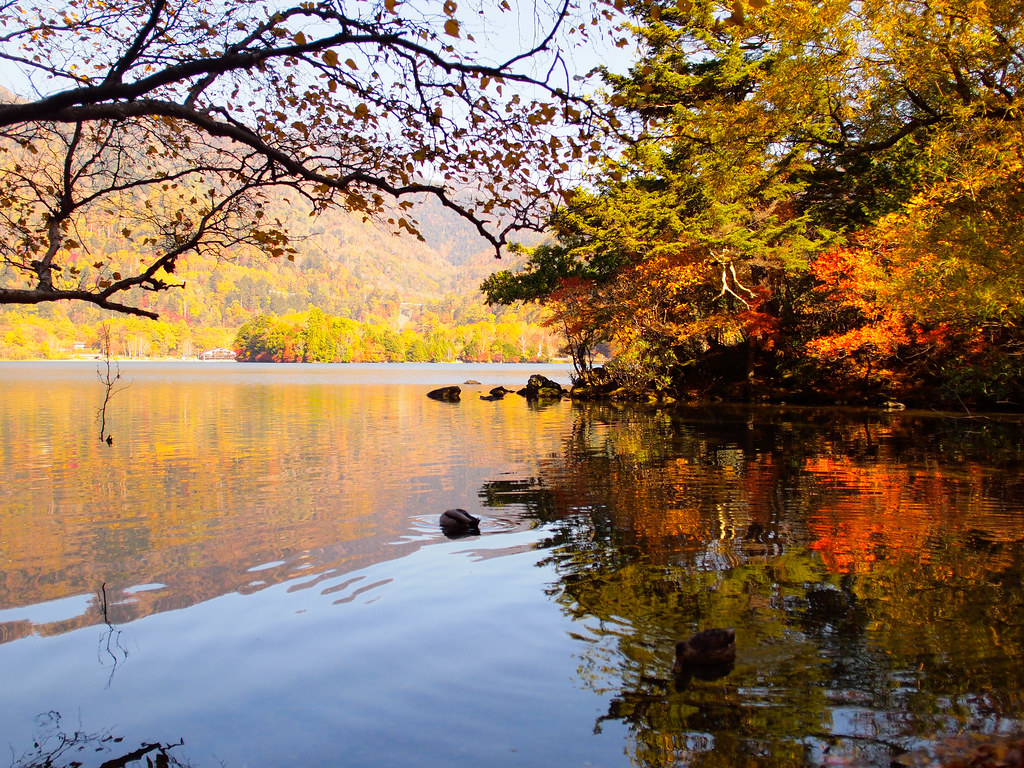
(254, 567)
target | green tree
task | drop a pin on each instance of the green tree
(318, 343)
(391, 342)
(346, 337)
(416, 348)
(442, 345)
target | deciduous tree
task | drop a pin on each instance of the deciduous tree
(759, 137)
(181, 119)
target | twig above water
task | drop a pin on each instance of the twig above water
(108, 375)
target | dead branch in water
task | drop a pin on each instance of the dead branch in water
(108, 376)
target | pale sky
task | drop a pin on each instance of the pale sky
(499, 36)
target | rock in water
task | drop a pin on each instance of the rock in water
(541, 387)
(447, 394)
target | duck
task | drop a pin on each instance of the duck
(458, 522)
(712, 647)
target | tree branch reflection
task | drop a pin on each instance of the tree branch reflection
(55, 747)
(110, 645)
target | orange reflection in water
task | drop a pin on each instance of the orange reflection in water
(885, 510)
(854, 490)
(214, 486)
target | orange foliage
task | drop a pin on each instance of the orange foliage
(879, 336)
(654, 296)
(764, 328)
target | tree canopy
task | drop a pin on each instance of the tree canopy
(176, 120)
(821, 192)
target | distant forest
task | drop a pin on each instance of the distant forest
(405, 299)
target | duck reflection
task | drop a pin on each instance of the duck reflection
(683, 678)
(708, 655)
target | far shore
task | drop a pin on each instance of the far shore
(113, 359)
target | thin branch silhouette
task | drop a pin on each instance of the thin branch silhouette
(110, 641)
(55, 748)
(108, 375)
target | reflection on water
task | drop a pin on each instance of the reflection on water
(871, 566)
(217, 484)
(255, 567)
(55, 745)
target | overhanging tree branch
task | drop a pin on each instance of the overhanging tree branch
(362, 112)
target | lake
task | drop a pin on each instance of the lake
(252, 574)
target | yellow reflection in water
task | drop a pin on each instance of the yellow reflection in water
(208, 478)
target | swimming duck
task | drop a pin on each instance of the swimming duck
(458, 522)
(712, 647)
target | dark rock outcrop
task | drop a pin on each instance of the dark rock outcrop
(542, 388)
(451, 394)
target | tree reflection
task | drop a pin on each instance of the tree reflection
(111, 645)
(221, 477)
(871, 564)
(56, 747)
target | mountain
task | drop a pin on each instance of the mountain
(343, 265)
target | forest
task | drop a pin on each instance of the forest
(813, 202)
(315, 337)
(348, 270)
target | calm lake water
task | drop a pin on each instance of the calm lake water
(253, 573)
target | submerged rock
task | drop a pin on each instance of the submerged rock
(497, 393)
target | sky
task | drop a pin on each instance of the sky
(499, 36)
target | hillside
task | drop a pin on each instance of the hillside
(343, 266)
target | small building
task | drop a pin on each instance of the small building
(219, 353)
